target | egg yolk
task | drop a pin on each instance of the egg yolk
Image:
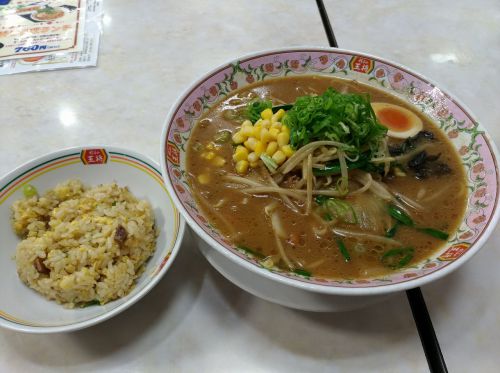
(394, 119)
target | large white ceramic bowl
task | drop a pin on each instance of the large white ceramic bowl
(478, 153)
(23, 309)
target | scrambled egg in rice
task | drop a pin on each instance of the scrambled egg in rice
(83, 245)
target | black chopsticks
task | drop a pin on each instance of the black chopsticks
(430, 343)
(326, 24)
(423, 322)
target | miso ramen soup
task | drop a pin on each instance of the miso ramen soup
(326, 177)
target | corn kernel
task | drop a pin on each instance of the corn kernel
(287, 150)
(240, 154)
(267, 263)
(254, 164)
(246, 123)
(238, 138)
(266, 123)
(210, 146)
(253, 157)
(278, 115)
(271, 148)
(240, 148)
(247, 131)
(256, 131)
(265, 137)
(250, 143)
(274, 132)
(203, 178)
(266, 114)
(259, 148)
(208, 155)
(276, 125)
(398, 172)
(279, 157)
(283, 139)
(219, 161)
(241, 167)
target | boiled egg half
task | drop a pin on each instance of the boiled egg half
(400, 122)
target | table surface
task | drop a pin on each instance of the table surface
(195, 320)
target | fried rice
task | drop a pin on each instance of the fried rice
(83, 245)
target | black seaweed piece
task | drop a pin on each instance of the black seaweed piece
(418, 161)
(425, 165)
(440, 168)
(410, 143)
(425, 135)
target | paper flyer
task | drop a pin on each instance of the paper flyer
(65, 60)
(34, 28)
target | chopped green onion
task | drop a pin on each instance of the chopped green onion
(435, 233)
(391, 232)
(363, 163)
(327, 217)
(400, 216)
(338, 208)
(343, 250)
(320, 199)
(404, 219)
(267, 263)
(197, 146)
(333, 168)
(285, 107)
(397, 258)
(250, 251)
(231, 115)
(29, 191)
(302, 272)
(222, 137)
(94, 302)
(344, 117)
(256, 107)
(269, 162)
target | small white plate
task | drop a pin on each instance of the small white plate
(23, 309)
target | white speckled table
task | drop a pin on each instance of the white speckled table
(195, 320)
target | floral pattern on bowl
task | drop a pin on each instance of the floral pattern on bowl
(466, 134)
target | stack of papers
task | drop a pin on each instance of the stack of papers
(49, 35)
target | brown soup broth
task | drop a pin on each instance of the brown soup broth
(242, 218)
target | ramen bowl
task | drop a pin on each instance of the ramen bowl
(23, 309)
(298, 290)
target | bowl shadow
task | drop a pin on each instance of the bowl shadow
(388, 323)
(443, 298)
(153, 319)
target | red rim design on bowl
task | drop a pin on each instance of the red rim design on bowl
(473, 144)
